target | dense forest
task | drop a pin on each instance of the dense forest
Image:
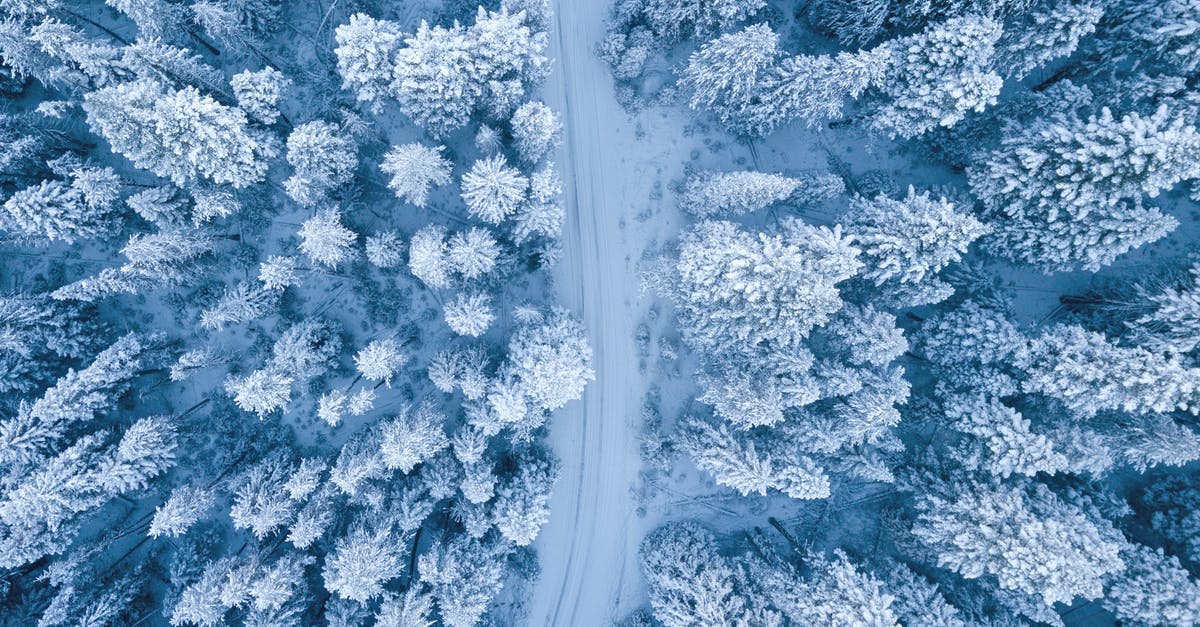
(282, 335)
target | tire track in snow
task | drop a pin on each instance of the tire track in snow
(583, 548)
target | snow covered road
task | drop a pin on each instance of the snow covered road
(588, 550)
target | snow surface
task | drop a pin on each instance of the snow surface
(588, 550)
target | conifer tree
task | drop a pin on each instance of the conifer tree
(415, 168)
(325, 239)
(366, 51)
(181, 135)
(323, 159)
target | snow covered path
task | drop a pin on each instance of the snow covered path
(588, 550)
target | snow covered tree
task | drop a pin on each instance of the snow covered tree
(672, 20)
(1154, 589)
(836, 593)
(385, 249)
(1057, 191)
(55, 211)
(261, 502)
(181, 135)
(937, 76)
(323, 159)
(307, 349)
(81, 395)
(415, 168)
(185, 507)
(413, 608)
(469, 314)
(278, 272)
(752, 464)
(464, 575)
(726, 74)
(428, 258)
(380, 360)
(473, 253)
(710, 194)
(363, 561)
(412, 437)
(1007, 444)
(432, 81)
(737, 290)
(522, 504)
(906, 241)
(815, 88)
(261, 392)
(918, 601)
(691, 584)
(492, 190)
(536, 130)
(258, 93)
(542, 214)
(1026, 537)
(1088, 374)
(551, 360)
(245, 302)
(325, 240)
(1046, 34)
(1168, 28)
(1174, 503)
(366, 51)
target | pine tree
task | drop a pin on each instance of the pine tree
(362, 561)
(1088, 374)
(413, 608)
(473, 253)
(168, 257)
(536, 130)
(185, 507)
(1026, 537)
(673, 20)
(542, 214)
(1154, 590)
(415, 168)
(749, 463)
(710, 194)
(690, 583)
(262, 392)
(737, 290)
(815, 88)
(1057, 190)
(464, 575)
(277, 273)
(1174, 504)
(380, 360)
(432, 78)
(908, 240)
(146, 450)
(551, 360)
(323, 159)
(725, 75)
(366, 51)
(836, 593)
(385, 250)
(181, 135)
(54, 211)
(1044, 35)
(492, 190)
(428, 256)
(261, 502)
(412, 437)
(1010, 446)
(522, 504)
(469, 314)
(937, 76)
(259, 93)
(245, 302)
(325, 240)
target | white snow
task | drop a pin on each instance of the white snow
(588, 550)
